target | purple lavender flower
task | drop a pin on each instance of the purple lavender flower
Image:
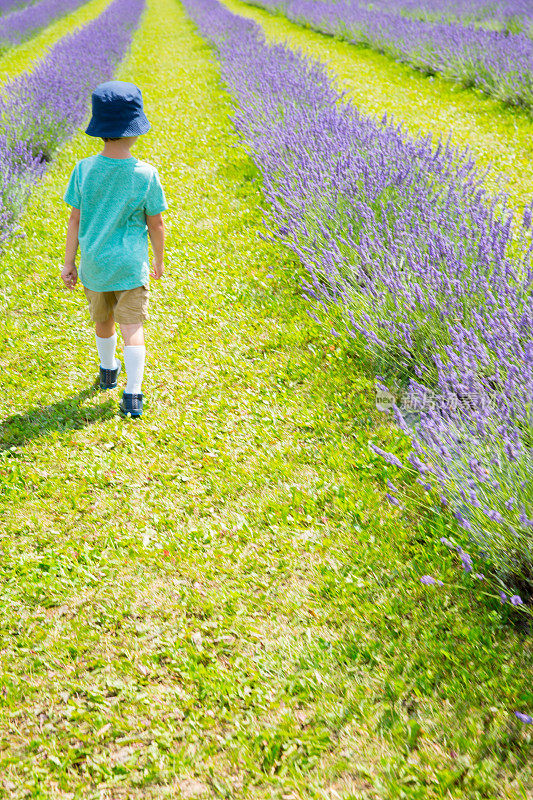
(516, 600)
(503, 597)
(465, 560)
(390, 458)
(429, 580)
(524, 717)
(447, 543)
(461, 519)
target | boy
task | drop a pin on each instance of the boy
(116, 199)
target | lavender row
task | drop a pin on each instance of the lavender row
(496, 62)
(401, 237)
(515, 16)
(9, 5)
(25, 22)
(39, 110)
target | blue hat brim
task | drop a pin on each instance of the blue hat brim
(135, 127)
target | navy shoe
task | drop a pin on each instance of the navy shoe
(132, 404)
(108, 377)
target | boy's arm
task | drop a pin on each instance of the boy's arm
(69, 272)
(156, 231)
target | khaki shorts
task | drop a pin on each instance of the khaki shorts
(127, 306)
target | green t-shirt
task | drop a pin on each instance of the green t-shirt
(114, 195)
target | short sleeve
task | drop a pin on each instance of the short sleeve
(155, 198)
(73, 195)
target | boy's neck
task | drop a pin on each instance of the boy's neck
(117, 149)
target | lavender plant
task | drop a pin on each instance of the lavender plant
(497, 62)
(39, 110)
(401, 235)
(19, 170)
(25, 22)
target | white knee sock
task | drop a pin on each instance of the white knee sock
(106, 351)
(134, 357)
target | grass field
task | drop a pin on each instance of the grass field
(217, 600)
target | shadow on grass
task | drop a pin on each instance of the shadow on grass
(64, 415)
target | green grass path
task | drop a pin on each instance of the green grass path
(216, 600)
(499, 136)
(21, 58)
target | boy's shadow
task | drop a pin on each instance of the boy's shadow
(64, 415)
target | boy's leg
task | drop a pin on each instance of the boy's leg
(101, 306)
(105, 329)
(134, 355)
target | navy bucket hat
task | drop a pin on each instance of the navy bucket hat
(117, 111)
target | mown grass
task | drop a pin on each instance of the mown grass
(500, 137)
(21, 58)
(216, 600)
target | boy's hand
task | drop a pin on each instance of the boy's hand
(69, 273)
(157, 269)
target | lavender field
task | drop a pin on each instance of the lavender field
(307, 572)
(22, 23)
(498, 62)
(7, 6)
(510, 15)
(433, 274)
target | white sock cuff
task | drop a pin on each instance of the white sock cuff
(134, 358)
(106, 350)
